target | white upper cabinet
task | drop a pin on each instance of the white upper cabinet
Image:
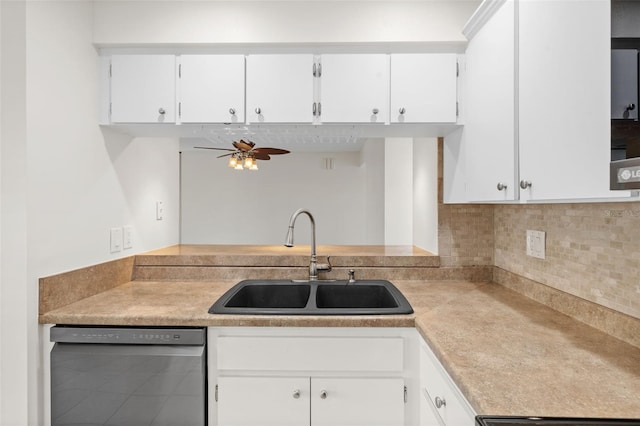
(280, 88)
(423, 88)
(564, 99)
(143, 89)
(489, 129)
(354, 88)
(211, 88)
(537, 102)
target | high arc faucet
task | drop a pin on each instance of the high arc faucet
(314, 266)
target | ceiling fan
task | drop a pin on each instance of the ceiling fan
(246, 153)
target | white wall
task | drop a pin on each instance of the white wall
(17, 295)
(372, 159)
(225, 206)
(64, 181)
(398, 191)
(425, 194)
(291, 22)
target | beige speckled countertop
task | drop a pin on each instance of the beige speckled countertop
(509, 354)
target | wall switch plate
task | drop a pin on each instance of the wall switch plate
(159, 210)
(127, 239)
(116, 240)
(536, 242)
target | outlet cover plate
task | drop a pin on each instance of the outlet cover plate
(536, 244)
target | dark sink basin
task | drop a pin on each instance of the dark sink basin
(285, 297)
(256, 296)
(354, 296)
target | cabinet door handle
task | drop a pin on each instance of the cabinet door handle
(440, 402)
(501, 186)
(296, 393)
(161, 111)
(375, 111)
(315, 109)
(258, 111)
(524, 184)
(631, 107)
(232, 111)
(323, 394)
(402, 111)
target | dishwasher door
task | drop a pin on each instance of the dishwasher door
(127, 385)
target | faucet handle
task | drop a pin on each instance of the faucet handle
(325, 267)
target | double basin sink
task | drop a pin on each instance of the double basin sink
(287, 297)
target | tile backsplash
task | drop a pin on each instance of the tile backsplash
(592, 250)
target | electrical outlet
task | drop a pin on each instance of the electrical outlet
(127, 241)
(116, 240)
(159, 210)
(536, 242)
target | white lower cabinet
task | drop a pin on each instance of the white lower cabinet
(441, 403)
(319, 401)
(312, 376)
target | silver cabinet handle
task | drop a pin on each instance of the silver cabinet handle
(315, 109)
(375, 111)
(315, 73)
(323, 394)
(161, 111)
(296, 393)
(501, 186)
(232, 111)
(440, 402)
(524, 184)
(258, 111)
(402, 111)
(631, 107)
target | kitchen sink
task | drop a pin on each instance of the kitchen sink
(287, 297)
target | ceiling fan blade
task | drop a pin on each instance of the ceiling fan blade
(260, 155)
(271, 151)
(225, 155)
(218, 149)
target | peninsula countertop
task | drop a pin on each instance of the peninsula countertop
(508, 354)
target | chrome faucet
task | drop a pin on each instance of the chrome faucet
(314, 266)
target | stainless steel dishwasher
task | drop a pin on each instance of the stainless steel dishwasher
(128, 376)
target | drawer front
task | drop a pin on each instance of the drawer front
(310, 353)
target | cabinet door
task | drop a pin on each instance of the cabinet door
(442, 402)
(357, 402)
(564, 74)
(490, 133)
(423, 88)
(280, 88)
(355, 88)
(211, 88)
(263, 401)
(143, 89)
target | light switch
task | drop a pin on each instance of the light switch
(159, 210)
(127, 242)
(536, 242)
(116, 240)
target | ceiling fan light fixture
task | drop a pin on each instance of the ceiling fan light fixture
(233, 161)
(254, 166)
(248, 162)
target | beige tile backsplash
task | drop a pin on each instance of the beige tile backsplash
(592, 250)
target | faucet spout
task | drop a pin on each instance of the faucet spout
(313, 264)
